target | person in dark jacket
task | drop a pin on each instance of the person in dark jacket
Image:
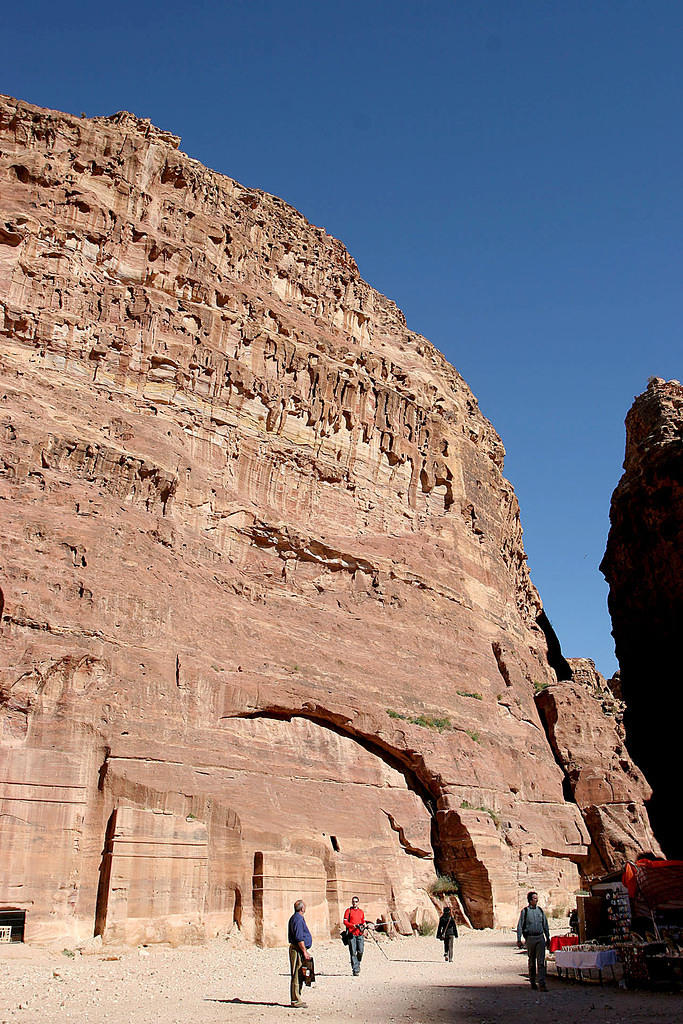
(447, 931)
(533, 928)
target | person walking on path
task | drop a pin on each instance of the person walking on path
(533, 927)
(300, 942)
(447, 931)
(354, 922)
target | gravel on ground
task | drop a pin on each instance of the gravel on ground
(404, 981)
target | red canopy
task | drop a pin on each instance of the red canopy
(656, 883)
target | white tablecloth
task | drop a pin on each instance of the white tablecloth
(585, 960)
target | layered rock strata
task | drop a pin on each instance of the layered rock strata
(268, 627)
(584, 722)
(643, 565)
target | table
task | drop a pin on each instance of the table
(585, 960)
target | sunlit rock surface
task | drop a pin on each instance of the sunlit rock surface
(584, 722)
(268, 628)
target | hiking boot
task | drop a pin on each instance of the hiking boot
(299, 1004)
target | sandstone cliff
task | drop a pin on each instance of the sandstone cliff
(268, 628)
(584, 722)
(643, 565)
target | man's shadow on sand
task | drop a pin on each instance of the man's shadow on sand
(247, 1002)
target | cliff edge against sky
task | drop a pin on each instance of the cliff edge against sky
(268, 627)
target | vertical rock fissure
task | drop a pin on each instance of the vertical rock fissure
(556, 658)
(567, 788)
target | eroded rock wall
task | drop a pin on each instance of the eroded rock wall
(643, 565)
(584, 722)
(268, 628)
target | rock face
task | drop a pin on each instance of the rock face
(268, 628)
(643, 565)
(584, 722)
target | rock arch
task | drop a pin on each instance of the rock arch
(453, 848)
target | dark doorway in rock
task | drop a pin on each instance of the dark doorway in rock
(105, 877)
(12, 925)
(335, 843)
(237, 909)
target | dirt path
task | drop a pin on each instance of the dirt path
(222, 983)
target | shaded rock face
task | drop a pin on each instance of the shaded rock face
(584, 721)
(268, 630)
(643, 565)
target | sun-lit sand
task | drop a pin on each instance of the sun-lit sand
(228, 981)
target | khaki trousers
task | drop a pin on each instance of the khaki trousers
(295, 961)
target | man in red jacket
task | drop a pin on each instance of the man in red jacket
(354, 922)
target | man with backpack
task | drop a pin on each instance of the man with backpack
(354, 922)
(447, 931)
(533, 927)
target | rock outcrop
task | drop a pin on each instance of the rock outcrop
(268, 628)
(584, 722)
(643, 565)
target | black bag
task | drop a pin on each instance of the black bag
(345, 937)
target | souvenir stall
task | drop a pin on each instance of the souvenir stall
(631, 923)
(654, 956)
(604, 918)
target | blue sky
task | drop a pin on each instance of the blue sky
(508, 172)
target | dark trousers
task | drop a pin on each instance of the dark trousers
(448, 947)
(535, 947)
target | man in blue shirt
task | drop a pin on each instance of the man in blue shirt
(533, 926)
(300, 942)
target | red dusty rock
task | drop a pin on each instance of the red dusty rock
(584, 723)
(643, 565)
(268, 628)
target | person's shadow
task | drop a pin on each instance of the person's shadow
(246, 1002)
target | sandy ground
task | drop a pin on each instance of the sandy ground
(225, 983)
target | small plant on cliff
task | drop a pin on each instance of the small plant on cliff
(426, 928)
(444, 885)
(474, 736)
(466, 693)
(68, 952)
(427, 722)
(467, 806)
(492, 814)
(540, 687)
